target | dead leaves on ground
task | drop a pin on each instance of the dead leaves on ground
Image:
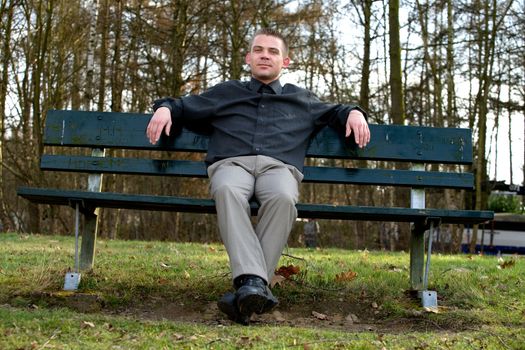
(287, 271)
(346, 276)
(505, 264)
(87, 324)
(319, 315)
(284, 273)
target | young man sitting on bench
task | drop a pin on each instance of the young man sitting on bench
(260, 131)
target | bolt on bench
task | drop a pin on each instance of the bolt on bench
(397, 143)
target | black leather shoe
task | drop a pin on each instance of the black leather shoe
(253, 295)
(228, 304)
(271, 301)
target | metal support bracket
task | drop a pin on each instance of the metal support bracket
(72, 279)
(429, 297)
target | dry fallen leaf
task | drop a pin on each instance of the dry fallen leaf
(277, 280)
(346, 276)
(278, 316)
(433, 310)
(351, 319)
(287, 271)
(319, 315)
(186, 274)
(506, 264)
(86, 324)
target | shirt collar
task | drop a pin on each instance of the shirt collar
(274, 85)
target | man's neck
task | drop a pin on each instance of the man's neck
(266, 82)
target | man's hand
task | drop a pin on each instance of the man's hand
(357, 124)
(161, 120)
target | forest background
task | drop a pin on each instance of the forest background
(433, 63)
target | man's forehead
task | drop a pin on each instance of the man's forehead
(267, 41)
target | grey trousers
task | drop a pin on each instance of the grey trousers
(233, 182)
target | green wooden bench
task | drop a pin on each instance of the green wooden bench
(412, 144)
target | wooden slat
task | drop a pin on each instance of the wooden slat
(388, 142)
(137, 166)
(91, 200)
(311, 174)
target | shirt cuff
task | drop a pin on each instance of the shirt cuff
(360, 110)
(174, 105)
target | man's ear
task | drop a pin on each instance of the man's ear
(286, 62)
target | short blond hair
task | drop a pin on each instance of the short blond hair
(274, 33)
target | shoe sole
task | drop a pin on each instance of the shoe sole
(227, 308)
(232, 314)
(251, 303)
(269, 305)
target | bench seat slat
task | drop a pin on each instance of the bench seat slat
(187, 168)
(91, 200)
(388, 142)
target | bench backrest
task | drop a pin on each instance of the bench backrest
(395, 143)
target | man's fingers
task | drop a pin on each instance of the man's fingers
(167, 128)
(348, 129)
(364, 135)
(161, 121)
(357, 124)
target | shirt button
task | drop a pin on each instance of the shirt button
(262, 106)
(257, 149)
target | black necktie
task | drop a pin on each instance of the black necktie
(266, 89)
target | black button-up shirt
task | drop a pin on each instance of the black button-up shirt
(251, 118)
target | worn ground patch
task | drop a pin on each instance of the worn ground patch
(333, 315)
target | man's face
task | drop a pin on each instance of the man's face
(266, 58)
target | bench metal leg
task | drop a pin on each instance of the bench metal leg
(419, 270)
(72, 279)
(429, 297)
(417, 256)
(417, 236)
(89, 234)
(89, 240)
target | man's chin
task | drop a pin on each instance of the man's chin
(265, 77)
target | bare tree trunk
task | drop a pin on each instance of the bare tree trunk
(7, 9)
(236, 39)
(397, 108)
(487, 43)
(116, 64)
(103, 19)
(510, 139)
(452, 116)
(178, 44)
(90, 65)
(364, 90)
(43, 29)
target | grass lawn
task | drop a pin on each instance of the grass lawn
(160, 295)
